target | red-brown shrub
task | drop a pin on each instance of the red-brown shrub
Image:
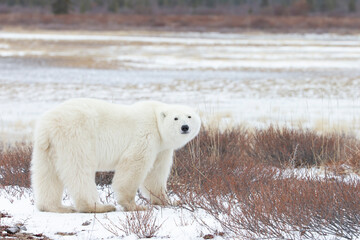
(15, 165)
(284, 21)
(143, 224)
(279, 146)
(214, 154)
(237, 177)
(285, 207)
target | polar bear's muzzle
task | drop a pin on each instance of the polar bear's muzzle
(185, 129)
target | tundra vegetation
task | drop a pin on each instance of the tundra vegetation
(276, 182)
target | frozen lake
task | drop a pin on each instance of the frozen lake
(255, 79)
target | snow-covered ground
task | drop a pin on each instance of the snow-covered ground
(165, 50)
(174, 223)
(310, 80)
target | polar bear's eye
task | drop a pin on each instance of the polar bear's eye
(176, 119)
(189, 116)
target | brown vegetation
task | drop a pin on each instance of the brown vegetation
(15, 165)
(247, 180)
(242, 7)
(284, 208)
(240, 178)
(181, 22)
(143, 224)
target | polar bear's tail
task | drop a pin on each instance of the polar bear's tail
(47, 187)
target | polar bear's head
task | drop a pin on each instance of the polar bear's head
(178, 125)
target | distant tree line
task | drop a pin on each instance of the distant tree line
(272, 7)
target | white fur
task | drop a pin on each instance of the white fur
(82, 136)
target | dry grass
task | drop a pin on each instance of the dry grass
(15, 165)
(144, 224)
(242, 179)
(238, 177)
(259, 205)
(183, 22)
(213, 152)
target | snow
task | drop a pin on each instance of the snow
(192, 38)
(256, 99)
(308, 80)
(20, 53)
(4, 46)
(175, 223)
(22, 210)
(321, 173)
(164, 50)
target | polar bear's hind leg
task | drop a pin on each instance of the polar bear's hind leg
(47, 187)
(77, 172)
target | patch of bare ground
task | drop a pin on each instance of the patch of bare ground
(14, 232)
(346, 24)
(241, 178)
(20, 235)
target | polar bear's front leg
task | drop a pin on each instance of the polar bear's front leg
(155, 182)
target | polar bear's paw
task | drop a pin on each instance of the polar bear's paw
(58, 209)
(133, 207)
(164, 201)
(66, 209)
(98, 208)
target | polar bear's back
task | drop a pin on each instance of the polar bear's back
(105, 129)
(95, 116)
(76, 115)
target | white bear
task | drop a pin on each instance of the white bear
(82, 136)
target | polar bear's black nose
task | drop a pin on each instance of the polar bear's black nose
(184, 128)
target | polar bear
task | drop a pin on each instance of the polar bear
(82, 136)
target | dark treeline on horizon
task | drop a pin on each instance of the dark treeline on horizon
(238, 7)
